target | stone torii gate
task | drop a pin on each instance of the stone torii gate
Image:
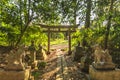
(59, 28)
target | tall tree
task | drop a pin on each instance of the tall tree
(87, 20)
(88, 13)
(108, 24)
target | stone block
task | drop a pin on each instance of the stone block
(14, 75)
(104, 74)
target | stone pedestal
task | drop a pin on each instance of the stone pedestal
(33, 56)
(104, 74)
(14, 75)
(14, 69)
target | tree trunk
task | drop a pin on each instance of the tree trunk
(88, 11)
(21, 35)
(108, 25)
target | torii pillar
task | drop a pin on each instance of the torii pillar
(69, 42)
(48, 41)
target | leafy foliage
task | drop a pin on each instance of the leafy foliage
(18, 19)
(9, 34)
(91, 36)
(34, 33)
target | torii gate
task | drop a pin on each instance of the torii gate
(59, 28)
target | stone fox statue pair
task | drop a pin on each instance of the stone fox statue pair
(101, 55)
(102, 59)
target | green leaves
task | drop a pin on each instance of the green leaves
(19, 16)
(90, 35)
(34, 33)
(10, 33)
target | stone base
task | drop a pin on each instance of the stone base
(14, 75)
(104, 74)
(104, 66)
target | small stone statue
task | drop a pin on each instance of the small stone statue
(98, 54)
(32, 47)
(32, 54)
(14, 60)
(39, 54)
(78, 53)
(108, 57)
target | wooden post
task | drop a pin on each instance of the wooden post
(69, 41)
(48, 41)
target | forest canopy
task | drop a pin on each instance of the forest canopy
(99, 21)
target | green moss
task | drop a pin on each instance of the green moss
(41, 65)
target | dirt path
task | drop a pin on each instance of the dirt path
(55, 65)
(60, 46)
(61, 67)
(62, 73)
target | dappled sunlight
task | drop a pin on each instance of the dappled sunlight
(55, 39)
(50, 74)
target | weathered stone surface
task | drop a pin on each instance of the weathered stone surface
(102, 59)
(32, 54)
(78, 53)
(103, 74)
(31, 78)
(39, 53)
(32, 57)
(3, 61)
(104, 66)
(14, 75)
(14, 60)
(12, 66)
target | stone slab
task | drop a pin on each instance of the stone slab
(14, 75)
(104, 74)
